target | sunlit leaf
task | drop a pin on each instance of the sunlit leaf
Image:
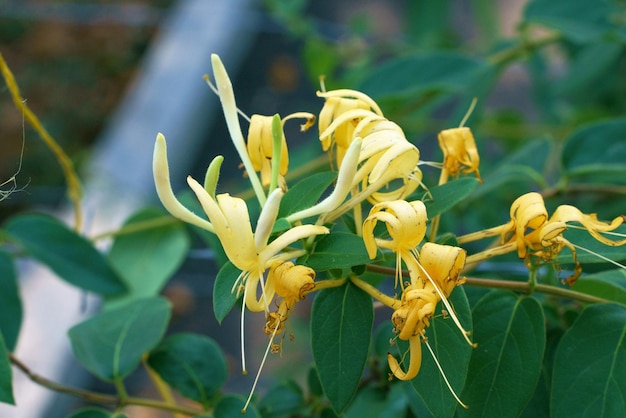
(10, 302)
(147, 258)
(338, 250)
(224, 296)
(589, 378)
(68, 254)
(192, 364)
(341, 328)
(305, 193)
(504, 369)
(111, 344)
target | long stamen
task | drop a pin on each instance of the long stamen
(207, 79)
(449, 307)
(615, 263)
(445, 379)
(256, 379)
(243, 349)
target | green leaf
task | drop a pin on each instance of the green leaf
(423, 72)
(96, 413)
(379, 402)
(453, 354)
(224, 297)
(284, 400)
(6, 377)
(231, 405)
(305, 193)
(589, 377)
(525, 164)
(146, 259)
(578, 20)
(598, 148)
(10, 302)
(69, 255)
(111, 344)
(341, 328)
(609, 285)
(192, 364)
(504, 369)
(338, 250)
(447, 195)
(583, 239)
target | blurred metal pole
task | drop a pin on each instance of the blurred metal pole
(168, 96)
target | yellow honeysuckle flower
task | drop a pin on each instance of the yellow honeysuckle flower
(260, 143)
(336, 104)
(434, 277)
(533, 234)
(460, 154)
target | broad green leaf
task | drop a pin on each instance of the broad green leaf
(379, 402)
(584, 241)
(146, 259)
(224, 293)
(341, 329)
(590, 67)
(599, 148)
(504, 369)
(10, 302)
(68, 254)
(96, 413)
(453, 354)
(111, 344)
(231, 406)
(338, 250)
(589, 377)
(192, 364)
(526, 164)
(447, 195)
(283, 400)
(305, 193)
(578, 20)
(609, 285)
(423, 72)
(6, 376)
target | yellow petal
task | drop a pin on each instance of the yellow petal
(567, 213)
(161, 173)
(289, 237)
(414, 364)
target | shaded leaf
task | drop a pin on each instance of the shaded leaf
(589, 378)
(10, 302)
(379, 402)
(305, 193)
(609, 285)
(192, 364)
(578, 20)
(95, 413)
(598, 148)
(68, 254)
(338, 250)
(341, 328)
(583, 240)
(446, 196)
(224, 297)
(423, 72)
(231, 405)
(284, 400)
(146, 259)
(6, 376)
(111, 343)
(505, 368)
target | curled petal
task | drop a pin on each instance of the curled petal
(566, 213)
(161, 173)
(415, 348)
(291, 282)
(459, 150)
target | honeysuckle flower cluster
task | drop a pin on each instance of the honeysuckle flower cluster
(378, 168)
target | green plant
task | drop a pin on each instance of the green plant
(503, 293)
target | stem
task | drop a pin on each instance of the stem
(523, 47)
(100, 398)
(164, 390)
(524, 287)
(375, 293)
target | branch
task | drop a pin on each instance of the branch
(100, 398)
